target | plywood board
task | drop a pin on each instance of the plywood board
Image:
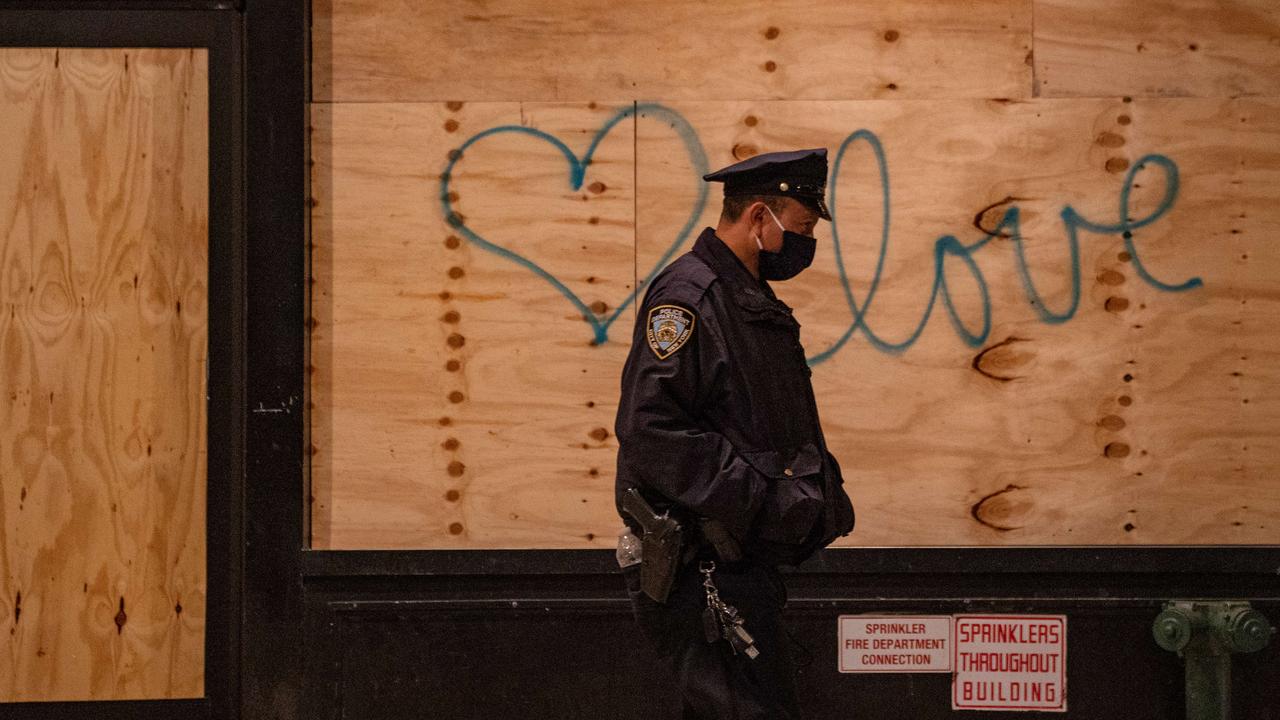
(1138, 414)
(1161, 48)
(103, 245)
(463, 397)
(577, 50)
(1028, 413)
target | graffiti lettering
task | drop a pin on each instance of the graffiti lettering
(948, 246)
(945, 248)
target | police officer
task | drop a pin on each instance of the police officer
(717, 427)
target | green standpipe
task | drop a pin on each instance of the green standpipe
(1205, 634)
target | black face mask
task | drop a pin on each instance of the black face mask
(795, 255)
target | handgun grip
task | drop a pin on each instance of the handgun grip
(633, 503)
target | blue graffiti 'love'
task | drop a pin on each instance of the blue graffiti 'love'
(945, 247)
(948, 246)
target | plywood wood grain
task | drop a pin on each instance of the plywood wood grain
(103, 254)
(1065, 398)
(577, 50)
(1140, 416)
(1165, 48)
(462, 398)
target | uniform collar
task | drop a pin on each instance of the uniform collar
(726, 265)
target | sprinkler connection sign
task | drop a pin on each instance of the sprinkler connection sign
(997, 662)
(895, 643)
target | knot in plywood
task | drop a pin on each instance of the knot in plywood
(1004, 510)
(1003, 360)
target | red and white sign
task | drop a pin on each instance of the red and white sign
(895, 643)
(1010, 662)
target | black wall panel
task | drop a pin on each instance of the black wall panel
(550, 635)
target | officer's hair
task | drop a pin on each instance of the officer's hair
(735, 205)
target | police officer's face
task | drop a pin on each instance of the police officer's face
(794, 216)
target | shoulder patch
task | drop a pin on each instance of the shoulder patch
(668, 328)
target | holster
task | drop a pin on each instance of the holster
(661, 545)
(659, 562)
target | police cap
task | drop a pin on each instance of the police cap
(799, 174)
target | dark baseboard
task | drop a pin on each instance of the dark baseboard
(549, 634)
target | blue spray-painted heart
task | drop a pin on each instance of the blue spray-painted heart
(577, 174)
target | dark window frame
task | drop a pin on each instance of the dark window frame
(217, 28)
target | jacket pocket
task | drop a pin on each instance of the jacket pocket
(793, 502)
(756, 308)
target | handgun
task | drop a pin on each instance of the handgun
(661, 545)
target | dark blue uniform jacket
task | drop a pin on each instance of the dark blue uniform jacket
(725, 425)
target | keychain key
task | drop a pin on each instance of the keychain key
(711, 624)
(741, 641)
(721, 621)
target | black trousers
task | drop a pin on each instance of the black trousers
(714, 683)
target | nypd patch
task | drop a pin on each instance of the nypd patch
(669, 328)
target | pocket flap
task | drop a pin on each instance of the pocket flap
(758, 308)
(805, 460)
